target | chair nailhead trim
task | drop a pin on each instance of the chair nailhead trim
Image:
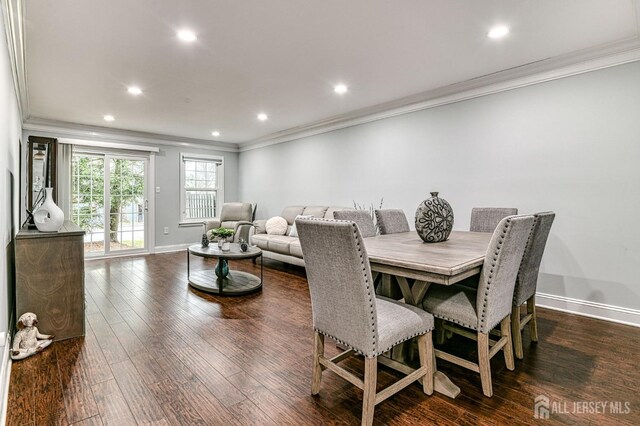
(473, 327)
(489, 279)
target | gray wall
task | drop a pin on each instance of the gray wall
(10, 127)
(570, 145)
(167, 173)
(168, 200)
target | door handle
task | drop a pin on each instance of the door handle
(146, 205)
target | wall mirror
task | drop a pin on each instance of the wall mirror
(42, 172)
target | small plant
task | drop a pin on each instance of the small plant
(220, 233)
(370, 207)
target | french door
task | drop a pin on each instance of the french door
(110, 202)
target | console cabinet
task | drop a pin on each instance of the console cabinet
(50, 279)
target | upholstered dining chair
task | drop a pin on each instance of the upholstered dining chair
(485, 219)
(484, 308)
(391, 221)
(362, 218)
(527, 281)
(346, 309)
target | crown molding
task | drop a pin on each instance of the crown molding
(618, 53)
(13, 13)
(81, 131)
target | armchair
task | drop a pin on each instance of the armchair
(232, 216)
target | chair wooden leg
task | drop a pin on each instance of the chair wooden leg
(440, 332)
(425, 349)
(369, 398)
(484, 365)
(505, 328)
(533, 323)
(516, 333)
(318, 351)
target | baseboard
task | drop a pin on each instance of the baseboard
(5, 374)
(172, 248)
(601, 311)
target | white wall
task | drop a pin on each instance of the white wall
(10, 128)
(569, 145)
(167, 174)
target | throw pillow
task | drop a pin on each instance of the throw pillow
(294, 231)
(276, 226)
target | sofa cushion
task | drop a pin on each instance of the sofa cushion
(276, 226)
(290, 213)
(280, 243)
(295, 249)
(261, 226)
(261, 240)
(315, 211)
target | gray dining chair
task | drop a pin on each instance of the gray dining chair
(527, 281)
(391, 221)
(482, 309)
(362, 218)
(485, 219)
(345, 308)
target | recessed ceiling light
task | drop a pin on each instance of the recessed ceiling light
(134, 90)
(109, 117)
(498, 32)
(187, 35)
(262, 116)
(340, 89)
(215, 133)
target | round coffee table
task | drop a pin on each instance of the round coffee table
(221, 280)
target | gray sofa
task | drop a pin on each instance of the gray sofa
(283, 247)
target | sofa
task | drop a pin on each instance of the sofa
(283, 247)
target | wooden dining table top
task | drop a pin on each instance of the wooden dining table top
(405, 254)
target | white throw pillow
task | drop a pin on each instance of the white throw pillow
(276, 226)
(294, 231)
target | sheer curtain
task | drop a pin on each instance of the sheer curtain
(65, 154)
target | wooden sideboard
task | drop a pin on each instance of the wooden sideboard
(50, 279)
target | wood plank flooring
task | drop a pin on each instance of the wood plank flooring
(157, 352)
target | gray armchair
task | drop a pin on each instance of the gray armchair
(483, 309)
(346, 309)
(527, 281)
(391, 221)
(485, 219)
(231, 216)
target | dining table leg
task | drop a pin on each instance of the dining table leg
(401, 354)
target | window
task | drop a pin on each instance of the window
(202, 187)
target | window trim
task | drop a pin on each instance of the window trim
(183, 221)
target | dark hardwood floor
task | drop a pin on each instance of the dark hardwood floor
(158, 352)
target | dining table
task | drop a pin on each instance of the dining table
(403, 259)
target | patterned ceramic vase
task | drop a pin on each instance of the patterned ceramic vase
(434, 219)
(205, 240)
(48, 217)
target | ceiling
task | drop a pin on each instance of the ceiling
(282, 57)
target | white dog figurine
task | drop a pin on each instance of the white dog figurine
(25, 342)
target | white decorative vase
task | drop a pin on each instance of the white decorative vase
(226, 246)
(48, 217)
